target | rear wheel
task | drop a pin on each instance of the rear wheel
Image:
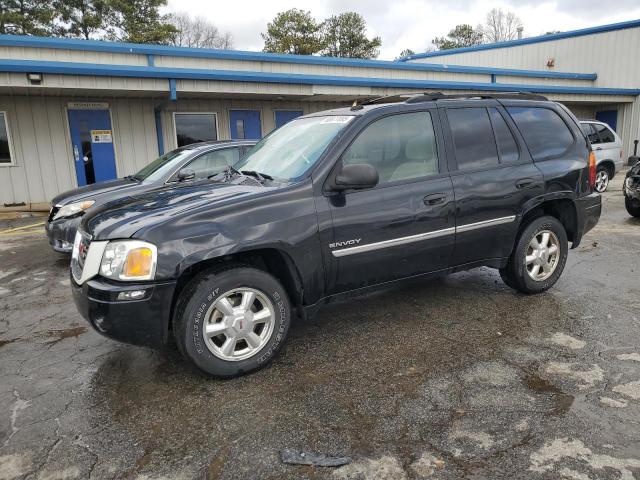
(232, 321)
(633, 207)
(538, 258)
(602, 179)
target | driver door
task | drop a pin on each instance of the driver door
(405, 225)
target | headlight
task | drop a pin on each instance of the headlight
(129, 260)
(73, 208)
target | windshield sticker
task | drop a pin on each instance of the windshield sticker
(337, 119)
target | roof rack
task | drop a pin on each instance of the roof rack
(432, 96)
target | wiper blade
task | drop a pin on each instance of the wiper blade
(225, 175)
(258, 175)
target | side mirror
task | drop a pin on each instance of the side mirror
(356, 176)
(186, 174)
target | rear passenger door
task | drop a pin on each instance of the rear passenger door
(606, 148)
(493, 178)
(404, 226)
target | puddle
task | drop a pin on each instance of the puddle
(59, 335)
(562, 401)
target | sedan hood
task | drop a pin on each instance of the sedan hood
(124, 217)
(94, 190)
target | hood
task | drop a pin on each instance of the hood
(91, 191)
(122, 218)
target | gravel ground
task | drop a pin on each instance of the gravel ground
(459, 377)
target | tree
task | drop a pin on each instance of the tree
(26, 17)
(293, 31)
(461, 36)
(139, 21)
(198, 32)
(500, 26)
(81, 18)
(405, 53)
(345, 35)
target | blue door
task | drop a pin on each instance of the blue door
(92, 144)
(610, 117)
(245, 124)
(285, 116)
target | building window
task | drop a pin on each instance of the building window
(6, 158)
(195, 127)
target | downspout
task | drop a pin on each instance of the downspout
(157, 111)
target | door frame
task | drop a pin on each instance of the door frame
(67, 128)
(276, 110)
(175, 130)
(259, 110)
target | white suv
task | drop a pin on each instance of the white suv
(607, 146)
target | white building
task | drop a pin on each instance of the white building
(124, 104)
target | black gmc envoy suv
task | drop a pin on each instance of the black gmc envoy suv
(333, 204)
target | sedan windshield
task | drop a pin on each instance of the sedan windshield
(162, 165)
(290, 151)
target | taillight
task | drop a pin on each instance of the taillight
(592, 170)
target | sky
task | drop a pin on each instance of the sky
(407, 23)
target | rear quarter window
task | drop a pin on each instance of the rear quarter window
(544, 131)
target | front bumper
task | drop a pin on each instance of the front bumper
(631, 189)
(143, 321)
(588, 210)
(62, 232)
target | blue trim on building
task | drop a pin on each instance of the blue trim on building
(528, 41)
(158, 117)
(150, 50)
(130, 71)
(173, 92)
(151, 60)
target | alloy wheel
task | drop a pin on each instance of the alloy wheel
(238, 324)
(543, 255)
(602, 181)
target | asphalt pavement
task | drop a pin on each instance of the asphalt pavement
(458, 377)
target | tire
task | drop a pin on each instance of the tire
(632, 207)
(602, 179)
(202, 305)
(519, 275)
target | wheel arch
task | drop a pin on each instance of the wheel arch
(561, 207)
(274, 261)
(609, 165)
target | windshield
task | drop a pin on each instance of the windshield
(161, 165)
(290, 151)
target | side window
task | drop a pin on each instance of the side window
(400, 147)
(213, 162)
(606, 135)
(543, 130)
(507, 146)
(472, 138)
(590, 132)
(5, 149)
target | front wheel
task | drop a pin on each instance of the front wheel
(232, 321)
(538, 258)
(633, 207)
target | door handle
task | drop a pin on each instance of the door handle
(525, 183)
(598, 148)
(434, 199)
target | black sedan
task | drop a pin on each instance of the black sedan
(632, 190)
(191, 162)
